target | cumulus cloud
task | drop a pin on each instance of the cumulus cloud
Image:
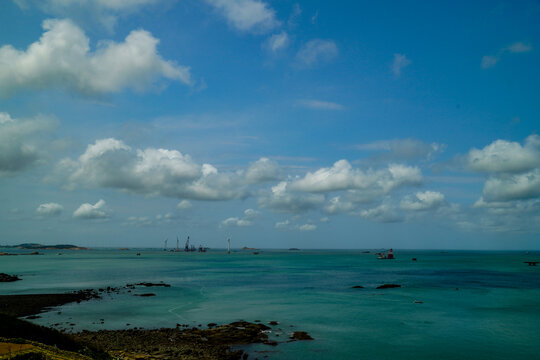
(337, 205)
(89, 211)
(247, 220)
(427, 200)
(282, 199)
(317, 51)
(21, 142)
(184, 205)
(508, 187)
(307, 227)
(262, 170)
(247, 15)
(277, 42)
(506, 156)
(400, 62)
(62, 59)
(320, 105)
(403, 149)
(49, 209)
(110, 163)
(342, 176)
(383, 213)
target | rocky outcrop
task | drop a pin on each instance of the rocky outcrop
(388, 286)
(8, 278)
(300, 335)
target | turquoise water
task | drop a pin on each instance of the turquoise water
(476, 305)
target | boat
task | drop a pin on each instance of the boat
(385, 255)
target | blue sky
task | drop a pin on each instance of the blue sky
(279, 124)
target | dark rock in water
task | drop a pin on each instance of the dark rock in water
(357, 287)
(147, 284)
(212, 325)
(300, 335)
(273, 323)
(270, 342)
(388, 286)
(31, 304)
(413, 259)
(145, 295)
(8, 278)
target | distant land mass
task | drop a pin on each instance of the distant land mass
(32, 246)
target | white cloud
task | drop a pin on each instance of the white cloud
(427, 200)
(89, 211)
(110, 163)
(383, 213)
(519, 47)
(317, 51)
(307, 227)
(341, 176)
(234, 221)
(22, 142)
(282, 224)
(489, 61)
(184, 205)
(400, 62)
(320, 105)
(262, 170)
(245, 221)
(281, 199)
(104, 12)
(247, 15)
(278, 42)
(62, 59)
(250, 214)
(49, 209)
(337, 205)
(506, 156)
(403, 149)
(508, 187)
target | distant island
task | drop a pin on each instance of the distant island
(32, 246)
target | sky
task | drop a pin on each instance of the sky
(308, 124)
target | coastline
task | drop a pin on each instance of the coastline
(182, 342)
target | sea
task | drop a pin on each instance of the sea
(451, 304)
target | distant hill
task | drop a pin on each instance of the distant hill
(32, 246)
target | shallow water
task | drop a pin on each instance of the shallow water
(476, 305)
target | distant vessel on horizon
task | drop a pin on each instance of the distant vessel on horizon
(386, 255)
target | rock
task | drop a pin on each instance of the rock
(357, 287)
(413, 259)
(145, 295)
(300, 335)
(273, 323)
(212, 325)
(147, 284)
(8, 278)
(388, 286)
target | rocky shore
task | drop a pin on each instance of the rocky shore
(182, 342)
